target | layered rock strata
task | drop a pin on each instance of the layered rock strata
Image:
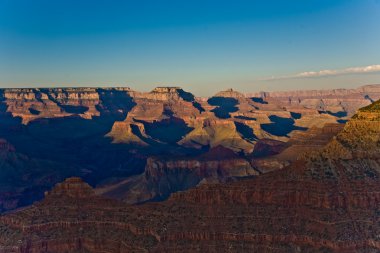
(165, 175)
(328, 202)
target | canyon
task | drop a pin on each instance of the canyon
(144, 146)
(327, 200)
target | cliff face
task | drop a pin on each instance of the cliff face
(164, 175)
(31, 104)
(328, 202)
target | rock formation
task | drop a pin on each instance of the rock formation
(60, 132)
(72, 187)
(231, 119)
(272, 155)
(334, 101)
(31, 104)
(165, 175)
(328, 202)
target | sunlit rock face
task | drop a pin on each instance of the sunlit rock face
(31, 104)
(239, 119)
(326, 202)
(163, 115)
(62, 132)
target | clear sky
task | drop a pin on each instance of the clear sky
(202, 45)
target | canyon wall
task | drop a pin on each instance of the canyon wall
(326, 202)
(61, 132)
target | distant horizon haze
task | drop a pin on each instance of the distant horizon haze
(185, 88)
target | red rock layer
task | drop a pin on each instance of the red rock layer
(328, 203)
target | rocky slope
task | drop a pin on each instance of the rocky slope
(270, 155)
(328, 202)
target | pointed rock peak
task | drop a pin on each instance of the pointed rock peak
(229, 93)
(72, 187)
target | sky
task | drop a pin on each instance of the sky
(203, 46)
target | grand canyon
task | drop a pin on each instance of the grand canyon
(144, 146)
(189, 126)
(116, 170)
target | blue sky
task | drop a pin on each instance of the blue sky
(203, 46)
